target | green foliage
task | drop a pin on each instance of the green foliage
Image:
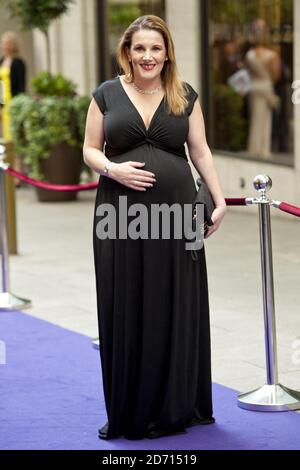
(38, 123)
(287, 9)
(233, 11)
(120, 16)
(230, 128)
(38, 13)
(46, 84)
(239, 12)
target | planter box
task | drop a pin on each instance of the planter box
(62, 167)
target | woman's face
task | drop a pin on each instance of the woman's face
(7, 46)
(147, 54)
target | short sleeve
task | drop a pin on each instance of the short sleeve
(192, 96)
(98, 95)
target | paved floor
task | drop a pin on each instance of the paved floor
(55, 270)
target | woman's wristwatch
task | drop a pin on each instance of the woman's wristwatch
(106, 169)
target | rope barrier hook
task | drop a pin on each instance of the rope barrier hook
(8, 301)
(273, 396)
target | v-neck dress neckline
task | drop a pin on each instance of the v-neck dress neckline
(147, 129)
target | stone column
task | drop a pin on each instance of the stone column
(183, 18)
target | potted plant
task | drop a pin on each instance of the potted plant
(48, 125)
(48, 130)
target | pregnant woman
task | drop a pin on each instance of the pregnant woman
(153, 307)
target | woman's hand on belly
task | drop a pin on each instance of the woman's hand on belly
(129, 174)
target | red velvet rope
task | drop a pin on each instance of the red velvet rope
(235, 201)
(285, 207)
(53, 187)
(84, 187)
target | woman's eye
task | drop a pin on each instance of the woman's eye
(140, 48)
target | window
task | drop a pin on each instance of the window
(248, 73)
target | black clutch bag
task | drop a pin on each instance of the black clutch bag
(204, 197)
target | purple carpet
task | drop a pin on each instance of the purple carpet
(51, 398)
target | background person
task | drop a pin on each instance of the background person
(13, 82)
(264, 66)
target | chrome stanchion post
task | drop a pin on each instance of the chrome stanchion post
(267, 280)
(272, 396)
(8, 301)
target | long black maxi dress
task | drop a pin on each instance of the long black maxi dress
(152, 297)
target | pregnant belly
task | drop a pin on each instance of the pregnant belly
(174, 179)
(174, 185)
